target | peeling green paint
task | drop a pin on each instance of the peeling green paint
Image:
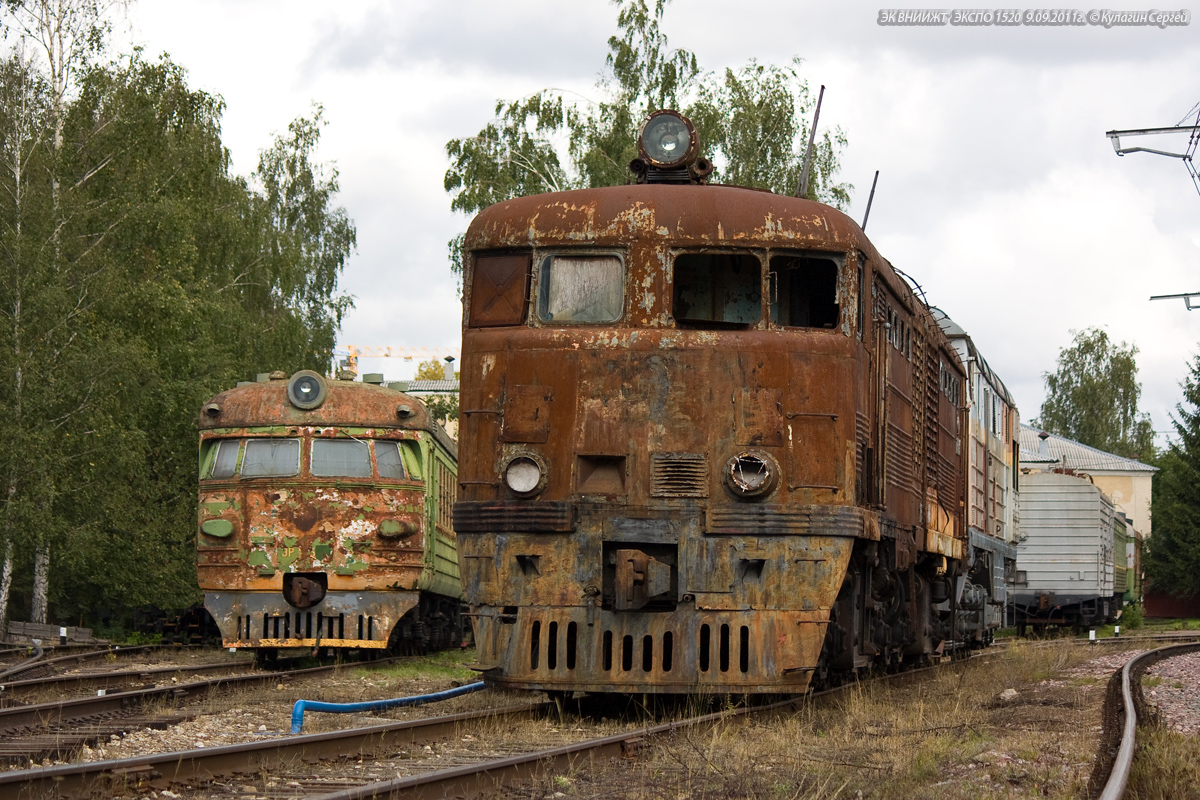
(259, 558)
(221, 528)
(351, 566)
(290, 541)
(287, 556)
(322, 551)
(214, 507)
(262, 540)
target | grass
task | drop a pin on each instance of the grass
(1166, 767)
(946, 737)
(441, 666)
(1162, 625)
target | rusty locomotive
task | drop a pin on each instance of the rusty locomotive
(711, 443)
(324, 517)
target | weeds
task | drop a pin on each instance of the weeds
(945, 737)
(1166, 767)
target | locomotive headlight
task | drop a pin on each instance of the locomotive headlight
(523, 475)
(751, 474)
(306, 390)
(667, 139)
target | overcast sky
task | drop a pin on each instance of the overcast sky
(998, 190)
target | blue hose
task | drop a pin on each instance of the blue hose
(376, 705)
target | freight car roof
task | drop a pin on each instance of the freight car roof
(348, 403)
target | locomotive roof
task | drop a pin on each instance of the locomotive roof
(348, 403)
(684, 214)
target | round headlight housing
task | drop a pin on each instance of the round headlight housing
(667, 139)
(523, 476)
(306, 390)
(751, 474)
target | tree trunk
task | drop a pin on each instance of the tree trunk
(41, 581)
(5, 587)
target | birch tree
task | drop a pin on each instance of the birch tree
(58, 38)
(1093, 395)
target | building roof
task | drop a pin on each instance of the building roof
(1074, 455)
(426, 387)
(1034, 457)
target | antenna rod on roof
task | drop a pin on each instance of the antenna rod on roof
(802, 186)
(870, 200)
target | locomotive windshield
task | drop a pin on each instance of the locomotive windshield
(271, 458)
(717, 290)
(331, 458)
(581, 289)
(805, 292)
(343, 458)
(387, 458)
(225, 459)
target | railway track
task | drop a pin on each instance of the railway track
(386, 760)
(45, 662)
(57, 729)
(357, 768)
(1124, 707)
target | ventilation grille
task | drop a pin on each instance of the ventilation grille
(678, 475)
(520, 516)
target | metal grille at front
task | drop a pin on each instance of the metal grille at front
(306, 625)
(718, 650)
(678, 475)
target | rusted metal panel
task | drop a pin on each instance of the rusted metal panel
(500, 290)
(527, 414)
(358, 619)
(309, 526)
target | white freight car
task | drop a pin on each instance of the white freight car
(1065, 559)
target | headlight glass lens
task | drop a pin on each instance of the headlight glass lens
(306, 390)
(523, 475)
(666, 140)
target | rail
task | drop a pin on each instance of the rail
(76, 780)
(1132, 702)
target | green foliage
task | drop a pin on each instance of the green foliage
(432, 370)
(139, 278)
(1132, 617)
(753, 124)
(443, 407)
(1093, 396)
(1172, 556)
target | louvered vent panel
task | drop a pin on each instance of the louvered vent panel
(678, 475)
